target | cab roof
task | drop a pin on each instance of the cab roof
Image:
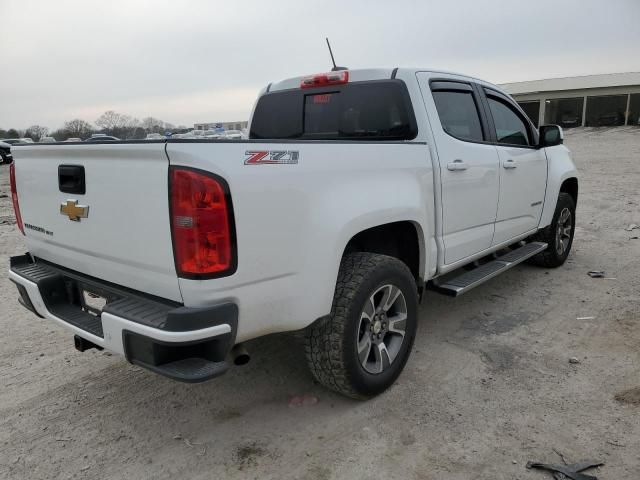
(359, 75)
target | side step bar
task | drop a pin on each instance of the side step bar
(472, 278)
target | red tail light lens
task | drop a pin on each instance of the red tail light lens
(14, 196)
(323, 79)
(201, 224)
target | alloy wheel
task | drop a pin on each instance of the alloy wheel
(563, 231)
(382, 328)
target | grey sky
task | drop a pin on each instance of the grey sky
(197, 61)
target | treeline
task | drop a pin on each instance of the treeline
(119, 125)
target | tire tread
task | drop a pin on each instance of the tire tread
(548, 258)
(324, 345)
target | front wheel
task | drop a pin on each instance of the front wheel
(360, 349)
(558, 235)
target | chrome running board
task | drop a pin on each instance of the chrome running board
(472, 278)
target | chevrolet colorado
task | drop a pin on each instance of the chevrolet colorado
(356, 190)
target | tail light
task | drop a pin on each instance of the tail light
(322, 79)
(14, 196)
(202, 225)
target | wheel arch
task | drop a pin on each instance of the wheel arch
(562, 177)
(403, 239)
(570, 186)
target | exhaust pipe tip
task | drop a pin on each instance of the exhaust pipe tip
(240, 355)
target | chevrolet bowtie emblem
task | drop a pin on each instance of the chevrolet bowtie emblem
(74, 211)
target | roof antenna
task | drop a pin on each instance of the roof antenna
(335, 67)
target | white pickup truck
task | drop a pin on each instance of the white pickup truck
(356, 190)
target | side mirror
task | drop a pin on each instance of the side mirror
(550, 136)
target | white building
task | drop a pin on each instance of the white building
(588, 101)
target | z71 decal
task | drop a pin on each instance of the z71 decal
(271, 157)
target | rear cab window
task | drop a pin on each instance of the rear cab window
(375, 110)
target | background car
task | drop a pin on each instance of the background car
(193, 134)
(5, 152)
(232, 135)
(154, 136)
(73, 139)
(99, 137)
(212, 134)
(15, 141)
(47, 140)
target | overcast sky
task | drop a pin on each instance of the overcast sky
(204, 61)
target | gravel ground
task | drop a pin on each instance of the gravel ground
(489, 385)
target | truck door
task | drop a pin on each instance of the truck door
(523, 168)
(468, 165)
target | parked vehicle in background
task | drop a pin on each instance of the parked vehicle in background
(232, 135)
(47, 140)
(16, 141)
(356, 191)
(154, 136)
(73, 139)
(570, 121)
(5, 152)
(211, 134)
(101, 137)
(190, 134)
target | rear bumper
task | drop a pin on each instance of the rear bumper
(186, 344)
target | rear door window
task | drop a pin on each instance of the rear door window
(458, 114)
(375, 110)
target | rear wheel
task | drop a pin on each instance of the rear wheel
(558, 235)
(362, 346)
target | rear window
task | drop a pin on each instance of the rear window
(376, 110)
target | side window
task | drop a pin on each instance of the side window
(510, 128)
(459, 114)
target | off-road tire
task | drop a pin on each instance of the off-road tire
(550, 258)
(330, 343)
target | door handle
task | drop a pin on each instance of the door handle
(456, 165)
(509, 164)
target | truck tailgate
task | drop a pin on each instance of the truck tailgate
(125, 238)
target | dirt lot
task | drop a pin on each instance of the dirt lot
(489, 385)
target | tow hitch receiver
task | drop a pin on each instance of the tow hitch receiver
(82, 344)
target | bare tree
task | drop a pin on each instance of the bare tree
(130, 122)
(150, 124)
(110, 120)
(118, 124)
(35, 132)
(77, 128)
(155, 125)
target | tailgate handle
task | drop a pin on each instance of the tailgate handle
(71, 179)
